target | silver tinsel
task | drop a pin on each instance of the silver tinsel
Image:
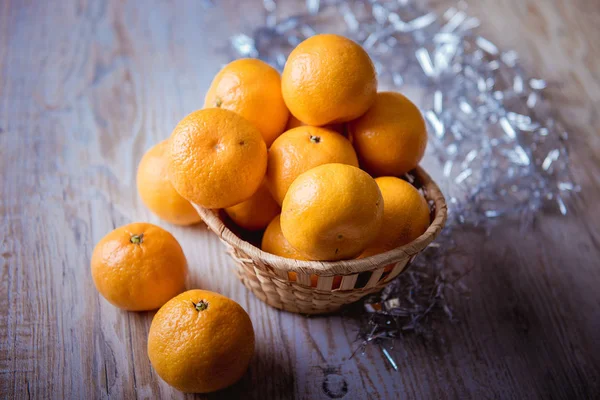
(501, 153)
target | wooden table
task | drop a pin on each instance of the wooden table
(88, 86)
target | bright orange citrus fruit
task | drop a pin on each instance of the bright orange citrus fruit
(251, 88)
(332, 212)
(216, 158)
(275, 243)
(294, 122)
(255, 213)
(157, 192)
(138, 267)
(406, 215)
(390, 138)
(300, 149)
(328, 79)
(200, 342)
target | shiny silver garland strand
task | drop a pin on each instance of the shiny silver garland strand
(502, 154)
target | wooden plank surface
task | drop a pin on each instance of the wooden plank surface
(87, 86)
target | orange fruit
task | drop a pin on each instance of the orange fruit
(256, 212)
(216, 158)
(251, 88)
(200, 342)
(138, 267)
(157, 192)
(332, 212)
(328, 79)
(390, 138)
(406, 215)
(294, 122)
(303, 148)
(274, 242)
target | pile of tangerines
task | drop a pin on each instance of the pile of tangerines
(313, 157)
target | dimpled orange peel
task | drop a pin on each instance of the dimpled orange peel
(300, 149)
(217, 159)
(200, 342)
(328, 79)
(251, 88)
(390, 138)
(332, 212)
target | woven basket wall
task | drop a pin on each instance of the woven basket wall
(266, 275)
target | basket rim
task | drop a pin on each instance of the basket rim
(343, 267)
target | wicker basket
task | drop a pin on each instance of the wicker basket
(266, 275)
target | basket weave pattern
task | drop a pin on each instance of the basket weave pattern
(266, 275)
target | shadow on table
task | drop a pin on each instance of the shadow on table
(266, 378)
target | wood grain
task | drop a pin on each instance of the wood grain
(87, 86)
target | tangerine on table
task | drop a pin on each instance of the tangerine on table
(328, 79)
(390, 138)
(216, 158)
(406, 215)
(256, 212)
(332, 212)
(251, 88)
(274, 242)
(200, 342)
(300, 149)
(138, 267)
(157, 192)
